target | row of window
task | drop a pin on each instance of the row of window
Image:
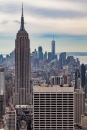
(53, 95)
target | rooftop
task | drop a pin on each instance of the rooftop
(53, 88)
(23, 106)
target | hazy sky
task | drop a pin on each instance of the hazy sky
(66, 19)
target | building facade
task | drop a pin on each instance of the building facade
(2, 80)
(2, 91)
(11, 119)
(84, 121)
(53, 108)
(22, 67)
(79, 105)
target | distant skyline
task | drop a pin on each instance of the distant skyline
(65, 19)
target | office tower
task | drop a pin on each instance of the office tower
(53, 48)
(69, 80)
(49, 56)
(77, 75)
(65, 79)
(55, 80)
(53, 108)
(22, 66)
(45, 55)
(34, 54)
(78, 83)
(1, 59)
(86, 85)
(62, 59)
(40, 53)
(2, 91)
(55, 57)
(79, 105)
(2, 105)
(83, 70)
(70, 60)
(2, 80)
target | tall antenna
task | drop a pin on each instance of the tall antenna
(22, 8)
(53, 37)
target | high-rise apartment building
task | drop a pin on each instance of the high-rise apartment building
(79, 105)
(83, 70)
(53, 48)
(53, 108)
(22, 66)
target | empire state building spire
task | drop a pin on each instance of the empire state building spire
(22, 21)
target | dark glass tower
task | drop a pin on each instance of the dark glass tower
(40, 53)
(83, 70)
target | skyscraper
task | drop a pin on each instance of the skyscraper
(77, 75)
(62, 58)
(45, 55)
(79, 105)
(22, 66)
(83, 70)
(53, 49)
(49, 56)
(40, 53)
(2, 91)
(2, 81)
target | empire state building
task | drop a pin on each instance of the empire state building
(22, 94)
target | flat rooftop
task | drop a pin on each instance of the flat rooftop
(23, 106)
(54, 88)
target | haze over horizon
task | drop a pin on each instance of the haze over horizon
(65, 19)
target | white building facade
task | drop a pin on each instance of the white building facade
(2, 81)
(53, 108)
(11, 119)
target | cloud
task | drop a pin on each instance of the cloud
(4, 22)
(83, 1)
(66, 36)
(4, 37)
(45, 12)
(55, 13)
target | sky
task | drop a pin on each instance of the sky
(65, 19)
